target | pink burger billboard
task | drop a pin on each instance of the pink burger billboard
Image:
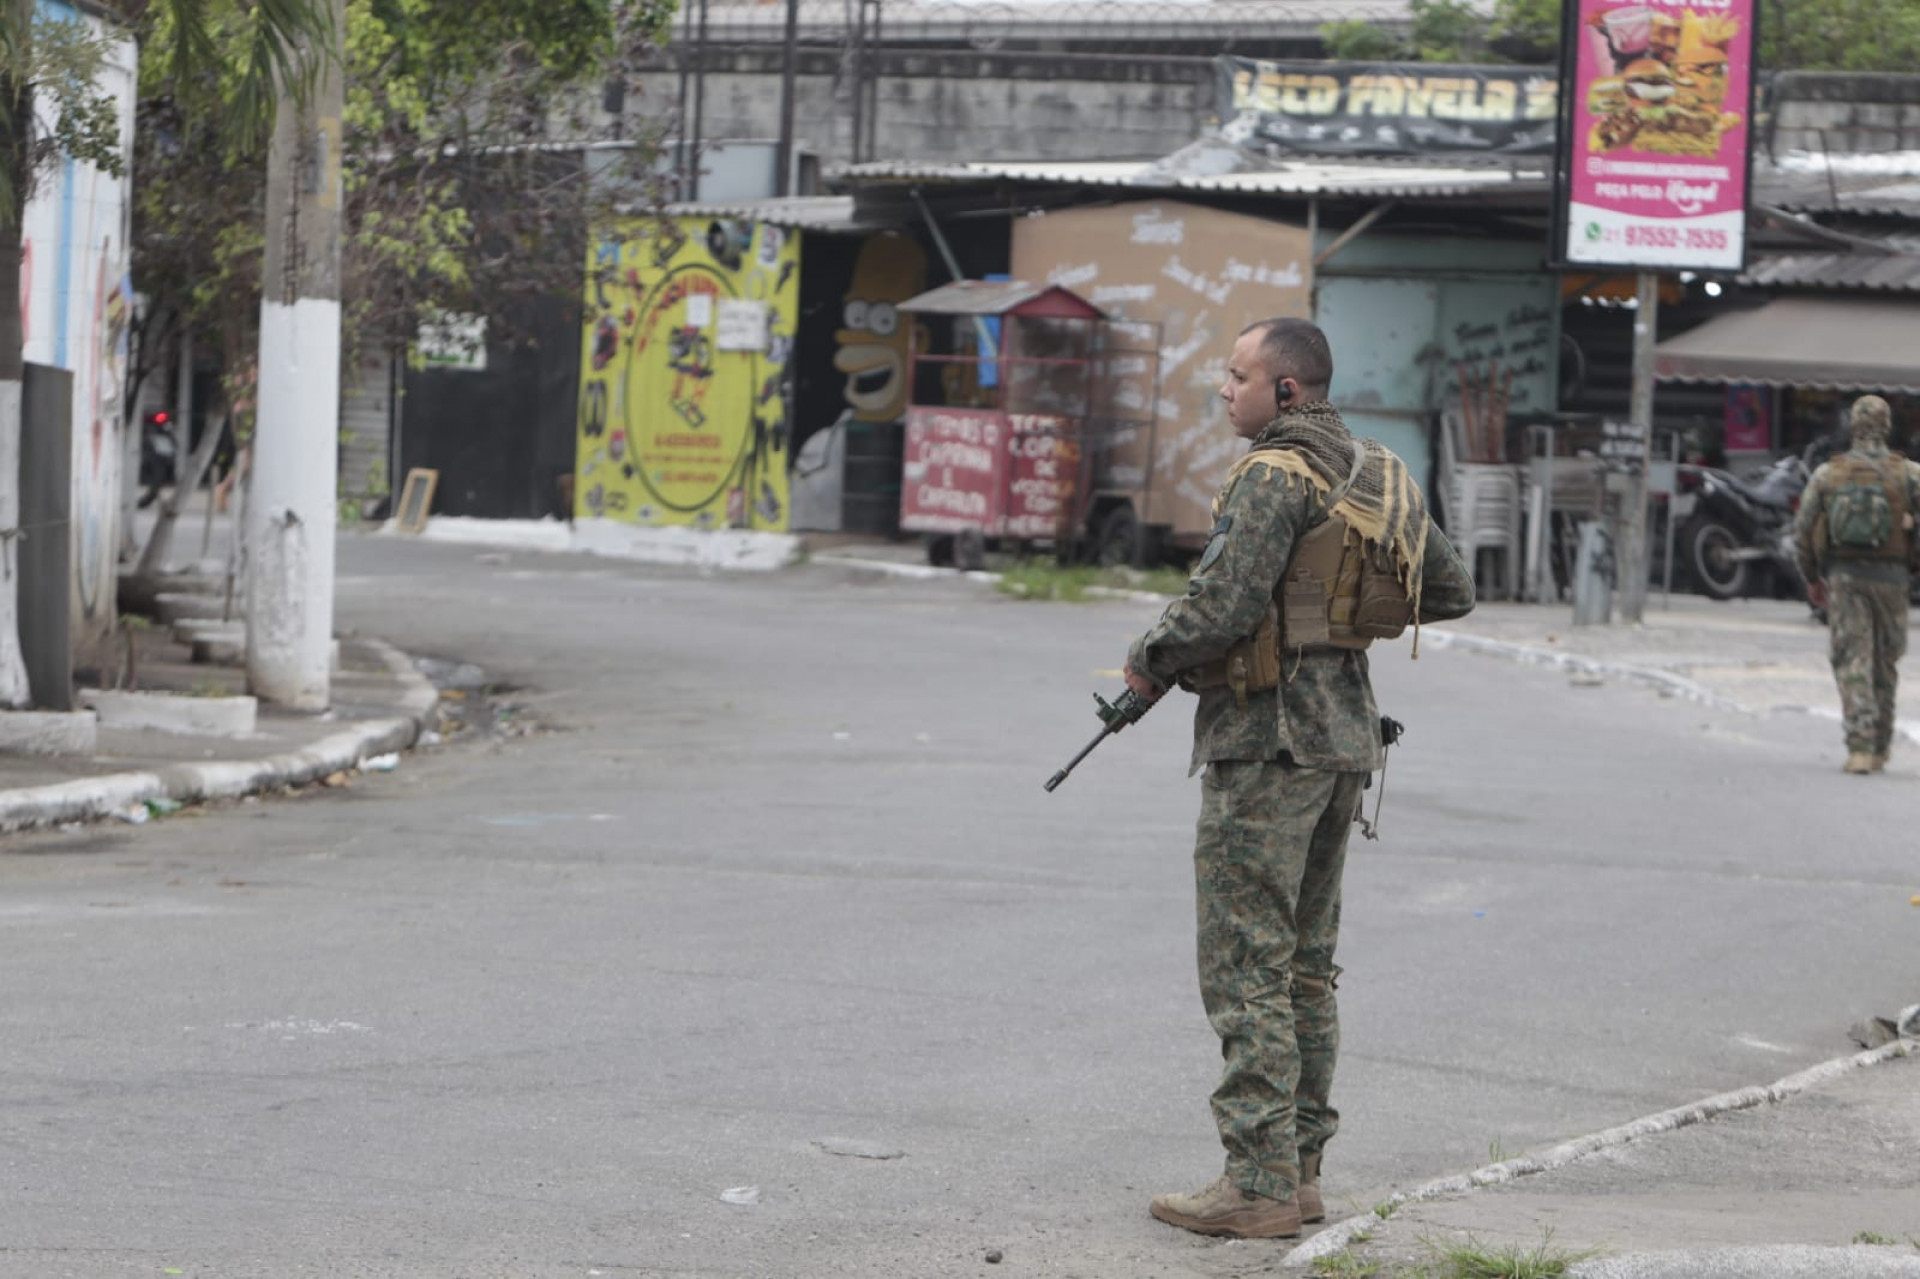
(1655, 143)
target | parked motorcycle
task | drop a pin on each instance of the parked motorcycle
(1740, 537)
(156, 455)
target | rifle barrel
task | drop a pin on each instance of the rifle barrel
(1085, 751)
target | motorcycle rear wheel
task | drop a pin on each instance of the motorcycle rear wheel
(1711, 555)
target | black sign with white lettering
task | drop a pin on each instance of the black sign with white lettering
(1369, 108)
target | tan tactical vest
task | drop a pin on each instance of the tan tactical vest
(1336, 593)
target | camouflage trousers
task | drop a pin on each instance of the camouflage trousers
(1867, 622)
(1271, 847)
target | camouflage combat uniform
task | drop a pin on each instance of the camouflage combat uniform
(1866, 598)
(1283, 784)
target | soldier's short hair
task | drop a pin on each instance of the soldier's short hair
(1871, 418)
(1296, 349)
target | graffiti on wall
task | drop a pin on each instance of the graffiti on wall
(1201, 275)
(76, 306)
(873, 336)
(683, 398)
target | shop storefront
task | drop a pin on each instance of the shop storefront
(1793, 363)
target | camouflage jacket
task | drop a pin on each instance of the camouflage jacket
(1810, 523)
(1323, 715)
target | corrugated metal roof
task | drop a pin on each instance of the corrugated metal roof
(1800, 190)
(1895, 272)
(829, 213)
(1305, 177)
(1795, 188)
(985, 297)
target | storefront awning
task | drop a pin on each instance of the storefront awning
(1842, 344)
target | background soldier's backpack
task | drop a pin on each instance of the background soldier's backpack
(1867, 516)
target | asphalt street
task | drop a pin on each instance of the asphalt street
(769, 956)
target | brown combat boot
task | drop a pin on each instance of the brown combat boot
(1312, 1207)
(1225, 1209)
(1857, 762)
(1880, 762)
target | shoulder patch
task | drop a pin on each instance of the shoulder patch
(1216, 545)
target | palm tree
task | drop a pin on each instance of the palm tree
(282, 41)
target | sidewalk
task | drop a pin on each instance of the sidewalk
(381, 705)
(1813, 1177)
(1764, 657)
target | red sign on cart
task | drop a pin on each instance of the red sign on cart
(1046, 461)
(980, 470)
(955, 468)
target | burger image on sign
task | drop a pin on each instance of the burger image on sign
(1662, 109)
(1648, 81)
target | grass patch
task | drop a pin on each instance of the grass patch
(1472, 1261)
(1048, 580)
(1386, 1208)
(1875, 1237)
(1345, 1265)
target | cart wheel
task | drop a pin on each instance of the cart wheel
(1118, 539)
(970, 551)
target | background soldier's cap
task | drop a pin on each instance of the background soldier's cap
(1871, 418)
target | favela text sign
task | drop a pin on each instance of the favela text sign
(1655, 150)
(1362, 108)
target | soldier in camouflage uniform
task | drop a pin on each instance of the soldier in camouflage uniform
(1285, 767)
(1862, 576)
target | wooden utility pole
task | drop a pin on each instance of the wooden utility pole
(290, 511)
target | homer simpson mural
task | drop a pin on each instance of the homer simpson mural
(873, 334)
(683, 406)
(870, 356)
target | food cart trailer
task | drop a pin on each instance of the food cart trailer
(1018, 395)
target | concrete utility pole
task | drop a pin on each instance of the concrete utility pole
(1634, 569)
(290, 512)
(789, 63)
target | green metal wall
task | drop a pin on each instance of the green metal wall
(1402, 314)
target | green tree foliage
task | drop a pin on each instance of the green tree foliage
(53, 61)
(464, 177)
(1439, 31)
(1855, 35)
(1357, 41)
(1804, 35)
(1446, 30)
(1526, 30)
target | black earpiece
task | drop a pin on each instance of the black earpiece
(1281, 394)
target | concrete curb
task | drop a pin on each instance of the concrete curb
(894, 568)
(1665, 683)
(1341, 1234)
(92, 798)
(735, 549)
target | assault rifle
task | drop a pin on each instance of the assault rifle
(1128, 708)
